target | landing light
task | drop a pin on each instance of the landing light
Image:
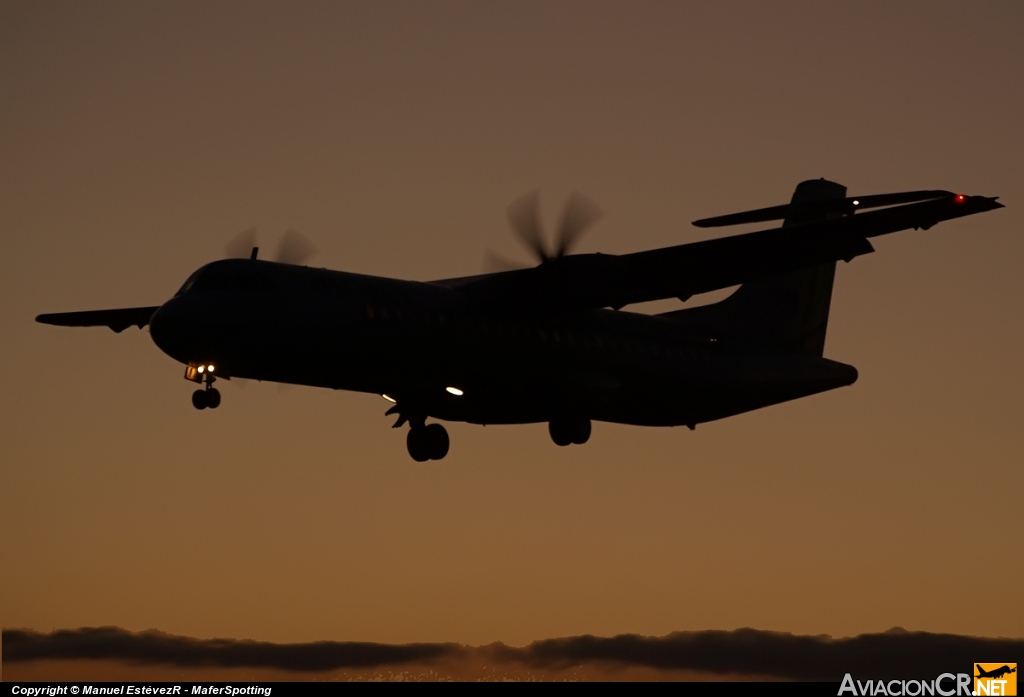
(201, 368)
(454, 390)
(390, 398)
(209, 368)
(856, 202)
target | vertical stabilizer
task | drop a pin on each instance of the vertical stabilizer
(786, 313)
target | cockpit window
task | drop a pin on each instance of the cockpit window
(188, 284)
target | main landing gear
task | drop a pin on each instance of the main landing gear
(425, 441)
(429, 442)
(569, 431)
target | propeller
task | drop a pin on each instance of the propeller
(293, 248)
(578, 214)
(241, 245)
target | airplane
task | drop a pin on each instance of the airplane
(996, 673)
(549, 343)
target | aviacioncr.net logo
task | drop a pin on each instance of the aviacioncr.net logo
(995, 679)
(946, 685)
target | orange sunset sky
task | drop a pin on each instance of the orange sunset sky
(136, 139)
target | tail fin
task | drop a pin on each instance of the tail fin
(787, 313)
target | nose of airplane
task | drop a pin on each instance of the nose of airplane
(168, 328)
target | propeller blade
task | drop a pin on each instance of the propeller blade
(579, 213)
(295, 248)
(240, 246)
(524, 215)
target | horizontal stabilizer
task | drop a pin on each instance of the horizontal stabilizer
(842, 206)
(118, 320)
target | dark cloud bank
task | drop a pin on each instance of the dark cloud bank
(896, 653)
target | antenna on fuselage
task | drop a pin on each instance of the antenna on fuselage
(293, 248)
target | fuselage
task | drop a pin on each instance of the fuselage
(412, 341)
(540, 344)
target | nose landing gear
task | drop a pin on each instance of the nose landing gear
(208, 398)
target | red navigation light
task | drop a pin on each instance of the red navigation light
(959, 198)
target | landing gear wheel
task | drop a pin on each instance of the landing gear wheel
(568, 431)
(199, 399)
(561, 432)
(581, 432)
(418, 444)
(437, 436)
(427, 442)
(213, 398)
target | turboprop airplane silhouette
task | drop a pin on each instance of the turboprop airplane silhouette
(549, 343)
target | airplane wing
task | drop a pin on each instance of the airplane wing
(118, 320)
(602, 280)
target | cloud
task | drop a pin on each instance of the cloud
(896, 653)
(156, 647)
(893, 654)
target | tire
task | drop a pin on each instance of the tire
(437, 437)
(213, 398)
(581, 431)
(418, 444)
(561, 432)
(199, 399)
